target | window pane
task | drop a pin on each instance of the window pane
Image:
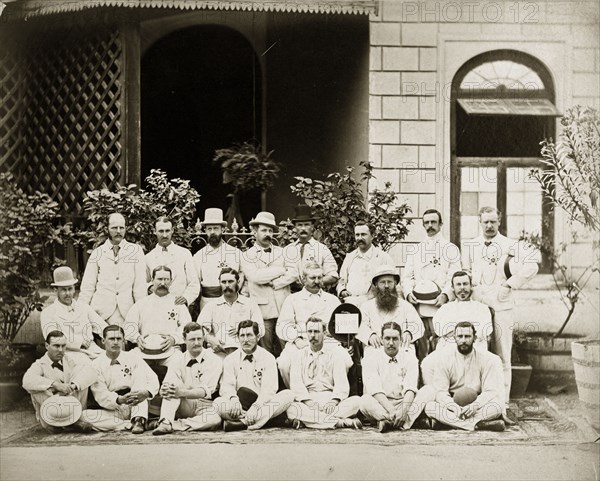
(523, 202)
(478, 190)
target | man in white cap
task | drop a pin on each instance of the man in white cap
(59, 372)
(434, 259)
(216, 255)
(463, 308)
(115, 274)
(188, 387)
(268, 276)
(488, 259)
(388, 307)
(311, 301)
(157, 314)
(124, 385)
(221, 317)
(359, 265)
(307, 250)
(319, 381)
(248, 395)
(184, 285)
(78, 321)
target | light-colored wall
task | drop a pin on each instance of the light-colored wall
(417, 48)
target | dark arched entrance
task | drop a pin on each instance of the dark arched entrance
(200, 91)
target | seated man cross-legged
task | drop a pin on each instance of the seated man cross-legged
(249, 397)
(319, 381)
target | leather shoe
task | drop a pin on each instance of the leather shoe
(494, 425)
(164, 427)
(138, 425)
(229, 426)
(297, 424)
(384, 426)
(81, 427)
(423, 422)
(439, 426)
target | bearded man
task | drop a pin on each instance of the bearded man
(388, 307)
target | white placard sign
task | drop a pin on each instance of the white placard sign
(346, 323)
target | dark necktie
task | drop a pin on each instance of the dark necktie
(249, 358)
(488, 243)
(267, 250)
(57, 365)
(393, 359)
(191, 362)
(165, 249)
(114, 361)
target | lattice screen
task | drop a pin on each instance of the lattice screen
(69, 116)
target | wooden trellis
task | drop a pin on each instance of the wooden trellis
(61, 115)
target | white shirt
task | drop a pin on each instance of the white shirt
(128, 370)
(221, 318)
(373, 319)
(313, 252)
(393, 379)
(434, 259)
(205, 373)
(477, 313)
(157, 315)
(298, 307)
(184, 281)
(259, 374)
(209, 261)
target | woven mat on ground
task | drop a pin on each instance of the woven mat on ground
(538, 423)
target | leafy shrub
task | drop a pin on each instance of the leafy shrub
(339, 203)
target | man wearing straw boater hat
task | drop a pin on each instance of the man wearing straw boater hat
(184, 285)
(388, 307)
(216, 255)
(76, 320)
(307, 250)
(268, 276)
(115, 274)
(56, 374)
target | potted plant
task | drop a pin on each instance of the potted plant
(28, 227)
(246, 167)
(571, 181)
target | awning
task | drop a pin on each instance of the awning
(31, 8)
(509, 107)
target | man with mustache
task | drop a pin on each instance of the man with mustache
(248, 395)
(159, 314)
(184, 285)
(479, 371)
(115, 274)
(307, 250)
(488, 258)
(125, 384)
(320, 385)
(214, 257)
(359, 265)
(311, 301)
(268, 276)
(463, 308)
(388, 307)
(77, 320)
(434, 259)
(221, 317)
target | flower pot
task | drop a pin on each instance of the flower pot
(521, 374)
(550, 359)
(586, 361)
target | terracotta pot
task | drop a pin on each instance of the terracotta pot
(521, 374)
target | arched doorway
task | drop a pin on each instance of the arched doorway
(502, 107)
(200, 91)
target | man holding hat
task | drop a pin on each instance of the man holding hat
(388, 307)
(311, 301)
(498, 265)
(359, 265)
(307, 250)
(435, 260)
(62, 373)
(184, 285)
(268, 276)
(188, 387)
(115, 274)
(78, 321)
(214, 257)
(248, 395)
(157, 315)
(124, 385)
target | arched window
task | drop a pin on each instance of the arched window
(502, 108)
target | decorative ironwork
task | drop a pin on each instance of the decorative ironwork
(242, 238)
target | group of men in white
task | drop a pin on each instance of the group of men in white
(264, 350)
